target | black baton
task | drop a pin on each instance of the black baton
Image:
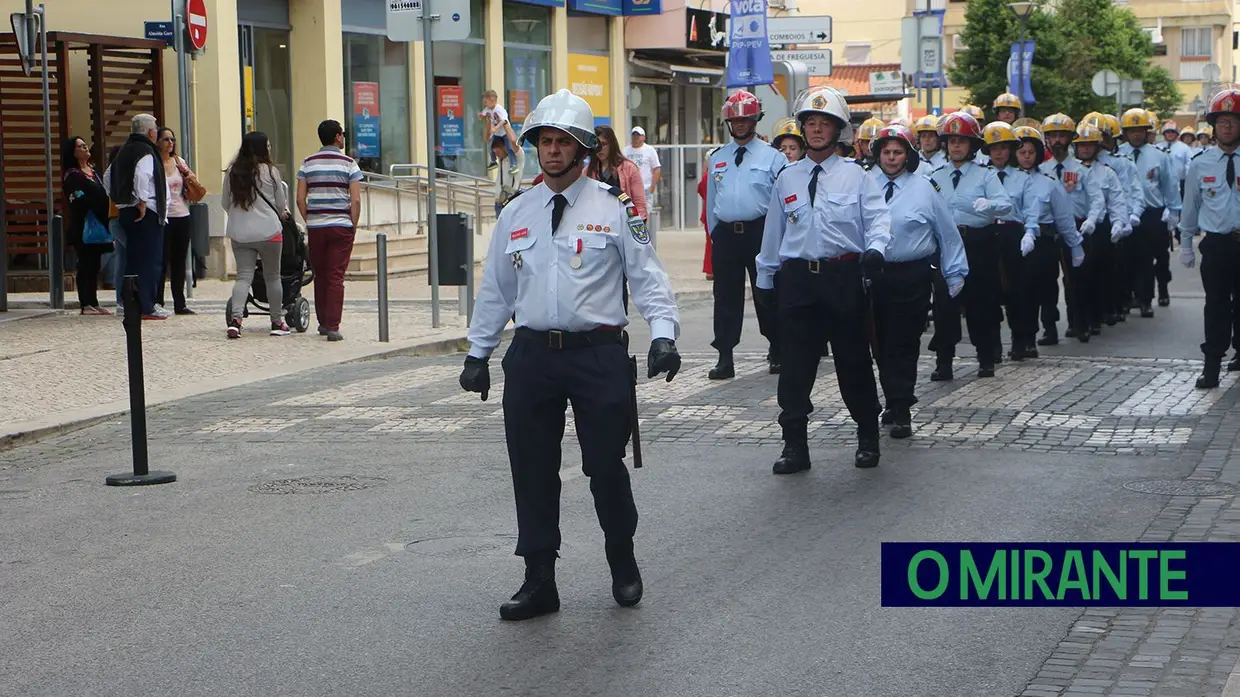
(637, 436)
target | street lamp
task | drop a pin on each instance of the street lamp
(1022, 10)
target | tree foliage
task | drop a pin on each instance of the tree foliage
(1073, 40)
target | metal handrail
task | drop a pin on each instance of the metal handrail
(414, 168)
(468, 196)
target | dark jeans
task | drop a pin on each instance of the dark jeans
(144, 253)
(539, 382)
(176, 250)
(1220, 277)
(733, 255)
(89, 257)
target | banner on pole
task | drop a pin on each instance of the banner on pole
(749, 57)
(1020, 66)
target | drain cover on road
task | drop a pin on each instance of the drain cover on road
(1181, 487)
(463, 545)
(317, 485)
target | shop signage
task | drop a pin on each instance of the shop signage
(544, 3)
(706, 30)
(589, 78)
(891, 83)
(451, 100)
(366, 119)
(518, 105)
(749, 56)
(641, 7)
(598, 7)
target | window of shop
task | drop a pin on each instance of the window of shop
(712, 126)
(376, 89)
(459, 76)
(527, 64)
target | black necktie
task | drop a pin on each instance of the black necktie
(1231, 170)
(1002, 175)
(813, 183)
(955, 179)
(740, 155)
(1136, 154)
(1059, 171)
(558, 202)
(891, 189)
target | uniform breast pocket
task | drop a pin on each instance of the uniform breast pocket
(842, 208)
(520, 251)
(796, 206)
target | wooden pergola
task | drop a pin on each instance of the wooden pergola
(124, 78)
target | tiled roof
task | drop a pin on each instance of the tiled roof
(853, 80)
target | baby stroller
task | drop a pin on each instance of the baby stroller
(295, 274)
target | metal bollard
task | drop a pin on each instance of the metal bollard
(56, 263)
(381, 252)
(140, 476)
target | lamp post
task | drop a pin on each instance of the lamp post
(1022, 10)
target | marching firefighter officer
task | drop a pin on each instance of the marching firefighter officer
(1120, 289)
(1113, 228)
(1212, 207)
(557, 260)
(1151, 246)
(1007, 108)
(923, 233)
(931, 151)
(827, 229)
(738, 189)
(866, 133)
(977, 198)
(1017, 230)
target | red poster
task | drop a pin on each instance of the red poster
(518, 105)
(366, 98)
(451, 101)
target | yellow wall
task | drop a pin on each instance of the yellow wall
(876, 22)
(318, 70)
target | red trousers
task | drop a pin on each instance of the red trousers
(706, 268)
(330, 249)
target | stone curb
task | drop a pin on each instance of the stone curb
(1232, 688)
(18, 433)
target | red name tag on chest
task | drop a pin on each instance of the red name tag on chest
(721, 165)
(790, 199)
(1207, 180)
(518, 234)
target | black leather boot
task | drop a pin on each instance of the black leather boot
(626, 579)
(724, 369)
(1050, 337)
(887, 417)
(1146, 310)
(985, 365)
(867, 451)
(943, 368)
(772, 363)
(902, 426)
(538, 595)
(1233, 365)
(794, 458)
(1209, 373)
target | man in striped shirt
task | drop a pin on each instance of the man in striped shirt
(329, 197)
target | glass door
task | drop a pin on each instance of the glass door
(266, 91)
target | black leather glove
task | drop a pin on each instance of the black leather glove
(872, 262)
(764, 298)
(476, 377)
(663, 357)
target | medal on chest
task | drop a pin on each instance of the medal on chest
(575, 261)
(1069, 181)
(516, 260)
(719, 170)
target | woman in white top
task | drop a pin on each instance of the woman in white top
(256, 200)
(177, 231)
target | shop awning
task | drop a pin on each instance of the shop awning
(696, 75)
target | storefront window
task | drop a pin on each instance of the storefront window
(650, 108)
(527, 65)
(458, 93)
(376, 88)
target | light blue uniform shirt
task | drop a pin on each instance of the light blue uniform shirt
(976, 182)
(1088, 200)
(1157, 175)
(572, 280)
(1018, 185)
(1128, 180)
(739, 193)
(922, 224)
(1114, 194)
(938, 159)
(1209, 204)
(1054, 207)
(1180, 155)
(848, 216)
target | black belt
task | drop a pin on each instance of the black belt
(913, 262)
(739, 226)
(815, 265)
(1048, 229)
(560, 340)
(966, 229)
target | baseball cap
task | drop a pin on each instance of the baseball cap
(639, 131)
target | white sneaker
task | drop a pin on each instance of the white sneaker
(161, 312)
(280, 329)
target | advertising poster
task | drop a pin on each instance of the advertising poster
(366, 119)
(451, 100)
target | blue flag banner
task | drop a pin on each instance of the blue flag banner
(1060, 574)
(1020, 69)
(749, 57)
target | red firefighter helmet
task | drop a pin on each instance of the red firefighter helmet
(1225, 102)
(742, 105)
(960, 123)
(901, 134)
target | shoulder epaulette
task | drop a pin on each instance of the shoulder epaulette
(712, 152)
(936, 169)
(986, 165)
(1046, 175)
(1203, 151)
(934, 184)
(781, 169)
(513, 198)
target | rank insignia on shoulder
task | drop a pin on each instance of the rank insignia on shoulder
(934, 184)
(637, 226)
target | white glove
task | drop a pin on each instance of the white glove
(1166, 214)
(981, 205)
(954, 286)
(1135, 220)
(1087, 227)
(1026, 244)
(1187, 257)
(1078, 256)
(1119, 232)
(1172, 222)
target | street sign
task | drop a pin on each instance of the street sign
(1105, 83)
(887, 83)
(1131, 92)
(404, 20)
(159, 31)
(196, 20)
(20, 22)
(930, 59)
(799, 30)
(816, 62)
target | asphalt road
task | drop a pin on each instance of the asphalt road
(755, 584)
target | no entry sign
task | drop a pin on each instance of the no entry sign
(196, 19)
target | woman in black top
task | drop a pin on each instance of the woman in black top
(84, 193)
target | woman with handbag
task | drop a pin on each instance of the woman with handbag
(87, 203)
(183, 188)
(256, 201)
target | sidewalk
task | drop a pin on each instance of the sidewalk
(60, 368)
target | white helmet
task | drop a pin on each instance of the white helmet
(565, 111)
(824, 100)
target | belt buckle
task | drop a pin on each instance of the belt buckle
(738, 228)
(555, 339)
(814, 265)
